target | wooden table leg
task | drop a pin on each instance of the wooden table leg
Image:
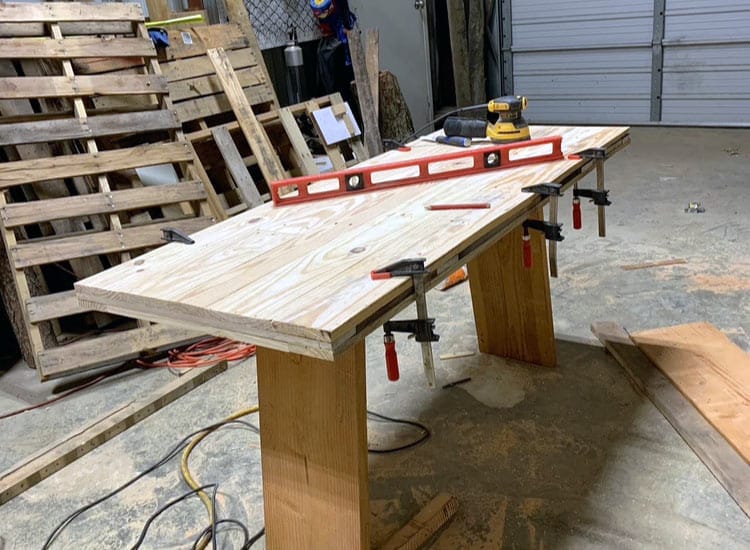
(512, 305)
(313, 429)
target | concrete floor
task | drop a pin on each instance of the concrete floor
(539, 458)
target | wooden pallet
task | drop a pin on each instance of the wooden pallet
(74, 198)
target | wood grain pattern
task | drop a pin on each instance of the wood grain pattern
(254, 133)
(23, 213)
(58, 12)
(724, 462)
(43, 131)
(297, 277)
(314, 438)
(43, 252)
(512, 304)
(70, 48)
(710, 370)
(25, 87)
(88, 164)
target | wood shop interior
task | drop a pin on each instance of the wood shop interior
(339, 274)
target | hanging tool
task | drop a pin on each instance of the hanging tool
(509, 128)
(422, 328)
(599, 196)
(551, 229)
(429, 169)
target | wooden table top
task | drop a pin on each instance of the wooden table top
(297, 278)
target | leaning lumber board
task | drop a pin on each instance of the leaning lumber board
(459, 52)
(253, 131)
(90, 164)
(710, 370)
(422, 527)
(365, 93)
(24, 213)
(43, 464)
(47, 251)
(724, 462)
(71, 48)
(58, 12)
(26, 87)
(43, 131)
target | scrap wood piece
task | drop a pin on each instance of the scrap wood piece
(234, 163)
(424, 525)
(648, 265)
(46, 462)
(254, 133)
(373, 141)
(710, 370)
(372, 48)
(724, 462)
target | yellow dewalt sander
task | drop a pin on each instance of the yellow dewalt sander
(510, 125)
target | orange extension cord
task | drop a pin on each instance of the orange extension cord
(203, 354)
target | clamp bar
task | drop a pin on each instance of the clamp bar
(552, 230)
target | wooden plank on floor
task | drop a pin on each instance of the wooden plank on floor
(710, 370)
(89, 164)
(44, 131)
(47, 251)
(723, 460)
(71, 48)
(234, 163)
(422, 527)
(43, 464)
(255, 134)
(23, 213)
(58, 12)
(27, 87)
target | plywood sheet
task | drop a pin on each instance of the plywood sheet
(710, 370)
(297, 277)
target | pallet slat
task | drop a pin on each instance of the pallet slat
(28, 87)
(53, 306)
(23, 213)
(31, 253)
(209, 85)
(57, 12)
(186, 69)
(204, 107)
(71, 48)
(89, 164)
(43, 131)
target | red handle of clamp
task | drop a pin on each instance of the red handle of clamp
(391, 358)
(577, 221)
(379, 275)
(528, 258)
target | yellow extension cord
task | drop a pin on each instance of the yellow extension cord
(188, 477)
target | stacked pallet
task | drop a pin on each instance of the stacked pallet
(86, 184)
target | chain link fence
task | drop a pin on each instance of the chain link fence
(272, 19)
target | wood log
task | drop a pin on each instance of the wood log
(13, 306)
(395, 119)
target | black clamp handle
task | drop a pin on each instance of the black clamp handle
(598, 197)
(552, 231)
(174, 235)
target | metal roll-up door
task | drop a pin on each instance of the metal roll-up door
(706, 74)
(580, 62)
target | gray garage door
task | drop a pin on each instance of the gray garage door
(677, 61)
